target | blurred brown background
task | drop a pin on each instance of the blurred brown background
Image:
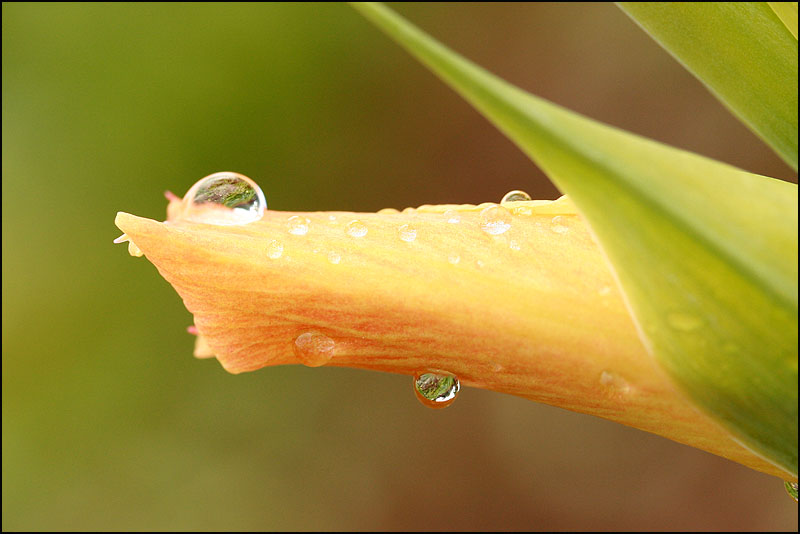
(109, 423)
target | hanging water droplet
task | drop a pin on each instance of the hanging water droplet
(436, 390)
(334, 257)
(454, 259)
(224, 198)
(409, 210)
(684, 321)
(297, 225)
(515, 196)
(389, 210)
(791, 489)
(407, 233)
(314, 349)
(274, 249)
(557, 225)
(452, 216)
(495, 220)
(356, 229)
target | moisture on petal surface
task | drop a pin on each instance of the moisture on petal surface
(528, 311)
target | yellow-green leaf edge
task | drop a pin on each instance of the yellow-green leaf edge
(706, 254)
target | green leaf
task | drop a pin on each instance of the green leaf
(742, 51)
(705, 253)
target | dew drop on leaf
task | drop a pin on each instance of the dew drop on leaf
(297, 225)
(683, 321)
(524, 211)
(436, 390)
(356, 229)
(495, 220)
(557, 225)
(452, 216)
(314, 349)
(407, 233)
(515, 196)
(614, 382)
(274, 249)
(224, 198)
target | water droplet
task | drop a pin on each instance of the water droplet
(332, 218)
(409, 210)
(407, 233)
(791, 489)
(513, 245)
(479, 264)
(297, 225)
(314, 349)
(495, 220)
(557, 225)
(452, 216)
(515, 196)
(614, 381)
(275, 249)
(605, 290)
(224, 198)
(356, 229)
(334, 257)
(684, 321)
(436, 390)
(454, 258)
(524, 211)
(389, 210)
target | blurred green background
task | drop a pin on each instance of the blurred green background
(108, 421)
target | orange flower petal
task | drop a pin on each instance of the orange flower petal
(531, 309)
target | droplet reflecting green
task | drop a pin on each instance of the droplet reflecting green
(224, 198)
(791, 489)
(436, 390)
(515, 196)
